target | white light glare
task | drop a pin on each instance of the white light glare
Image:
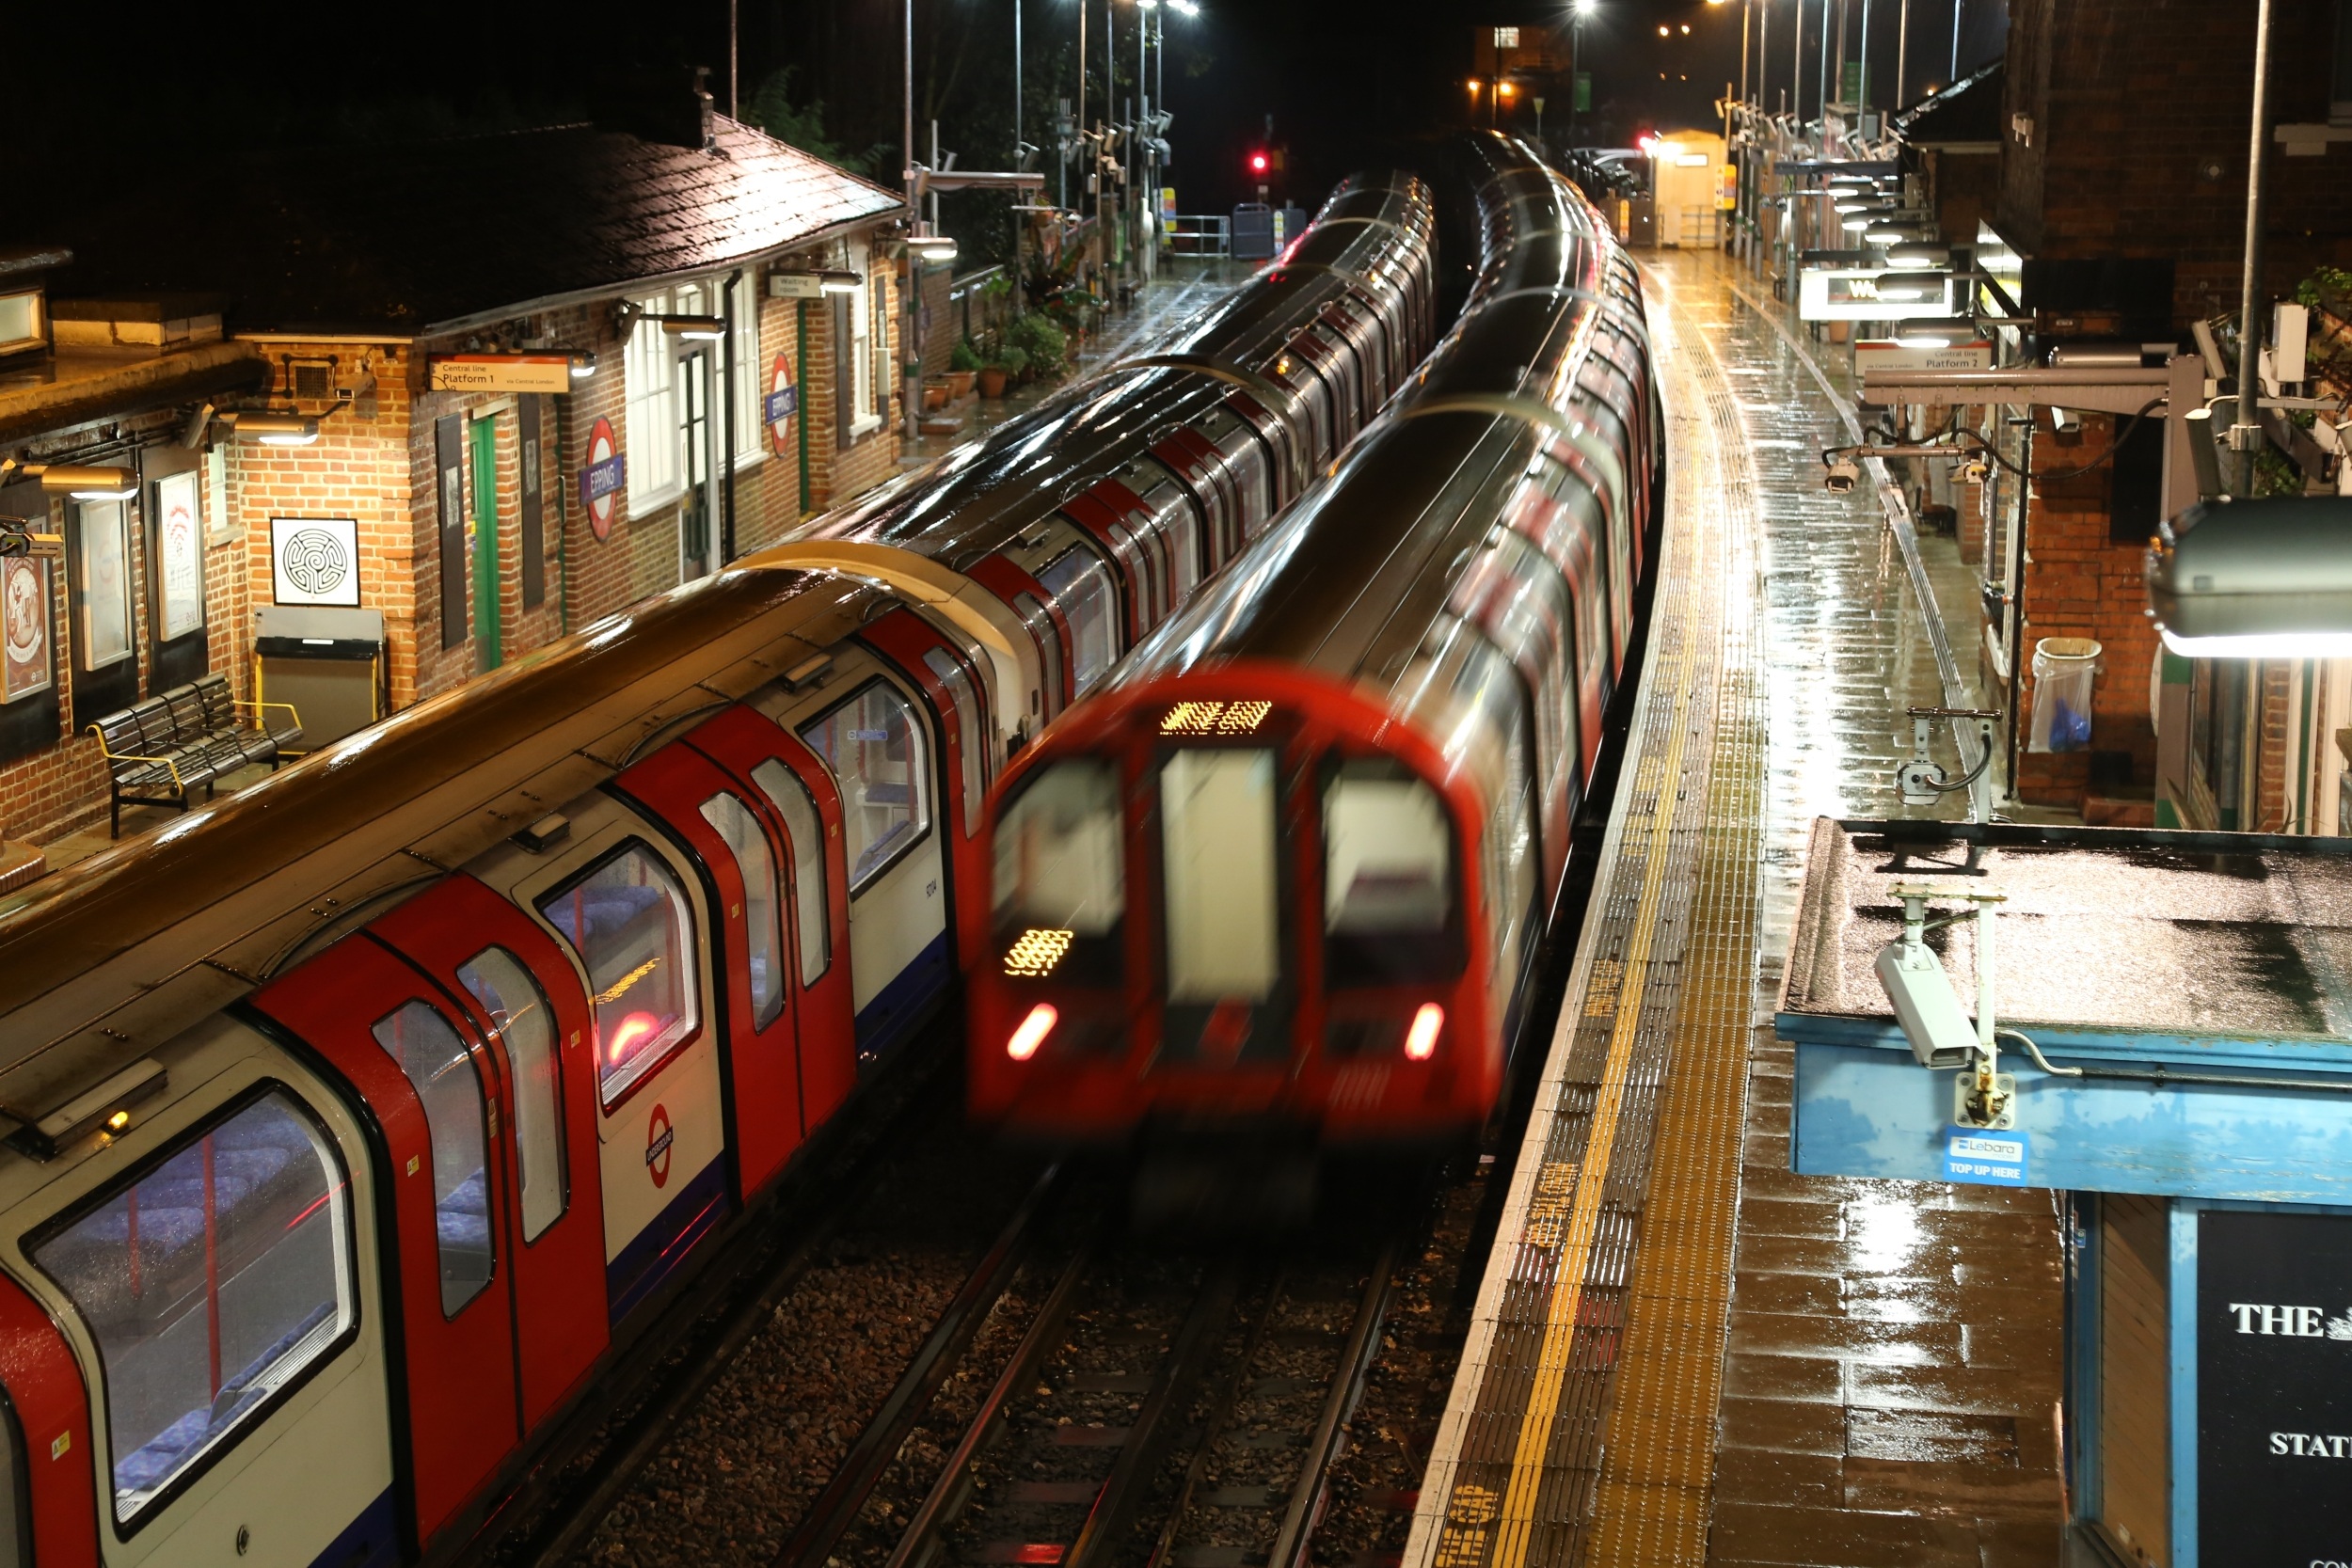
(2266, 644)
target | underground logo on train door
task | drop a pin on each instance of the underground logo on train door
(657, 1141)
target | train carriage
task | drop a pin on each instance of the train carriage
(1290, 871)
(357, 1125)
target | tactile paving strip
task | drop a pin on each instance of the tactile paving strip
(1661, 982)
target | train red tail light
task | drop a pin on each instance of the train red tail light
(1420, 1040)
(1032, 1032)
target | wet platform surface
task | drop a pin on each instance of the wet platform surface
(1683, 1352)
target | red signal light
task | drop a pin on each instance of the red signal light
(1257, 163)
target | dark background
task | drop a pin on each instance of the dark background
(124, 97)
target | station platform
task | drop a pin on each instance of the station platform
(1683, 1352)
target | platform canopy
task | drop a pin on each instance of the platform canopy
(2203, 981)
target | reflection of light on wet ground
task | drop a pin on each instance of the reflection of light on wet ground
(1882, 1232)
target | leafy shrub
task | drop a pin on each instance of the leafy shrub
(1046, 345)
(963, 356)
(1013, 361)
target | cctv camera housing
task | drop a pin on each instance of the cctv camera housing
(1940, 1034)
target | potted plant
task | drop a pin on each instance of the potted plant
(1010, 364)
(964, 368)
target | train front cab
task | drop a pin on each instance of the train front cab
(1250, 900)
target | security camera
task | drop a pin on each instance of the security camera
(1940, 1034)
(1842, 477)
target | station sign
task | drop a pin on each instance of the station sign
(777, 408)
(606, 472)
(499, 372)
(1885, 355)
(1855, 294)
(796, 285)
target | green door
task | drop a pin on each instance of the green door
(482, 542)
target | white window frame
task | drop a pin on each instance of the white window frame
(865, 417)
(649, 416)
(751, 374)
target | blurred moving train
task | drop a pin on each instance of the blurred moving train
(357, 1125)
(1287, 872)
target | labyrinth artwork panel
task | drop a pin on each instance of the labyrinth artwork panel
(314, 561)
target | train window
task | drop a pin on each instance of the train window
(1221, 874)
(1061, 874)
(1081, 585)
(518, 1008)
(628, 921)
(209, 1282)
(790, 798)
(437, 1065)
(1387, 877)
(875, 750)
(763, 911)
(1041, 624)
(971, 735)
(16, 1502)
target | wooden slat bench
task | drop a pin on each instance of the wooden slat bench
(161, 750)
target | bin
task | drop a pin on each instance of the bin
(2063, 670)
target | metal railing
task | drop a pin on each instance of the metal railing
(978, 312)
(1200, 234)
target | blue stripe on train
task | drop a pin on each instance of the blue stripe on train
(371, 1541)
(646, 1261)
(885, 1022)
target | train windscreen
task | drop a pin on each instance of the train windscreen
(1388, 880)
(1061, 889)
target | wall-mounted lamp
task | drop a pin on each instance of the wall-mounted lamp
(931, 247)
(271, 429)
(699, 329)
(2254, 580)
(583, 363)
(77, 480)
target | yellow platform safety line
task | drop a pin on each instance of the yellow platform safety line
(1518, 1514)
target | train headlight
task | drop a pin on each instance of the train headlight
(1032, 1032)
(1420, 1040)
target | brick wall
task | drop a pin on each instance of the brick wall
(2132, 103)
(2079, 584)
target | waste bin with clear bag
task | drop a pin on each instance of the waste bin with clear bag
(2064, 671)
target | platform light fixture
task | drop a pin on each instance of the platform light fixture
(2254, 580)
(931, 247)
(270, 427)
(583, 362)
(694, 329)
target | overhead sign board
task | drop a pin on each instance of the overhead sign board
(796, 285)
(499, 372)
(1858, 294)
(1883, 356)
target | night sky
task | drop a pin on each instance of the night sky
(173, 92)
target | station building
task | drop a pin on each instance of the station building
(421, 409)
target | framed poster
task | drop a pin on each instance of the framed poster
(179, 555)
(102, 563)
(314, 561)
(24, 628)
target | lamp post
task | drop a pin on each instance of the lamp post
(2245, 437)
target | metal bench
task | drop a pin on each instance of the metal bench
(161, 752)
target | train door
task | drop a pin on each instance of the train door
(946, 676)
(521, 997)
(802, 810)
(1047, 628)
(870, 734)
(714, 815)
(48, 1501)
(433, 1090)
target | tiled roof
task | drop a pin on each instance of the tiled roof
(408, 238)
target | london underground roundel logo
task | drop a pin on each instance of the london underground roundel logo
(658, 1140)
(601, 478)
(781, 405)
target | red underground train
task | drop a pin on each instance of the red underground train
(1289, 871)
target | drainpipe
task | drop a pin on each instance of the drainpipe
(727, 438)
(800, 379)
(2247, 438)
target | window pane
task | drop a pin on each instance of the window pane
(763, 912)
(439, 1068)
(628, 921)
(519, 1009)
(1217, 815)
(1385, 856)
(1081, 585)
(806, 839)
(875, 751)
(208, 1283)
(1058, 860)
(105, 632)
(970, 738)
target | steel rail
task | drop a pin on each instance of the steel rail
(1308, 1494)
(836, 1508)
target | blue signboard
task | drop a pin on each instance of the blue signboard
(780, 405)
(601, 479)
(1987, 1159)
